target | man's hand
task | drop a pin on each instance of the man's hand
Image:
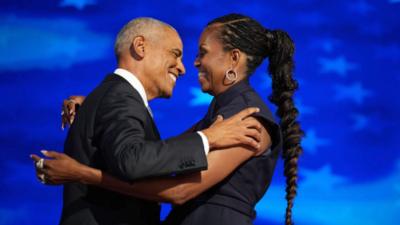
(69, 108)
(58, 169)
(240, 129)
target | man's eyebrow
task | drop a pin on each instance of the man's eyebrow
(177, 51)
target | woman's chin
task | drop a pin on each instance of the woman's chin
(204, 88)
(204, 85)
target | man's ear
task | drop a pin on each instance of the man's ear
(137, 48)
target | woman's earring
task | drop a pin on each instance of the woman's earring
(231, 75)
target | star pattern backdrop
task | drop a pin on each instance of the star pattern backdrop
(347, 64)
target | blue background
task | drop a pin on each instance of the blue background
(348, 61)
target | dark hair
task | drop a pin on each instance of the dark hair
(246, 34)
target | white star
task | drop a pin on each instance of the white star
(338, 65)
(200, 98)
(311, 142)
(326, 44)
(79, 4)
(321, 179)
(355, 92)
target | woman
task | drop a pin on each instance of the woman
(230, 49)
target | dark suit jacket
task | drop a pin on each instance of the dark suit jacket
(114, 132)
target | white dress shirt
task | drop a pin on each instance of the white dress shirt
(137, 85)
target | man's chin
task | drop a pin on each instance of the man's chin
(166, 95)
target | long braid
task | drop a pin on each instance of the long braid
(249, 36)
(283, 87)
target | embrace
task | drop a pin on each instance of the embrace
(115, 168)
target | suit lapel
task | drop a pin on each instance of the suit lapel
(115, 77)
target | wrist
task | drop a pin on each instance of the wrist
(84, 175)
(211, 141)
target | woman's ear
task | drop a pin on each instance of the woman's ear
(137, 48)
(235, 57)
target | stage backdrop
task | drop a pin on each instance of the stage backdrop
(347, 63)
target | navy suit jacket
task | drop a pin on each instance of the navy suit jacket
(232, 201)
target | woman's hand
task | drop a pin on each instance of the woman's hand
(69, 109)
(58, 168)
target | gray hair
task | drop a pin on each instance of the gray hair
(139, 26)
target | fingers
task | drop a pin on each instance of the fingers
(44, 171)
(68, 111)
(72, 118)
(52, 154)
(78, 99)
(256, 135)
(39, 167)
(246, 112)
(35, 158)
(250, 142)
(71, 104)
(251, 122)
(64, 113)
(219, 119)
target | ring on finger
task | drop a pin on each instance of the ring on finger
(40, 163)
(42, 178)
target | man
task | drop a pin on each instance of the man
(114, 130)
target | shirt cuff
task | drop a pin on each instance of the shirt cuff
(205, 142)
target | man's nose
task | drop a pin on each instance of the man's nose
(181, 68)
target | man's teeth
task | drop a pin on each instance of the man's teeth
(172, 77)
(202, 74)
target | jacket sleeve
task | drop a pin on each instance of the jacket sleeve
(120, 133)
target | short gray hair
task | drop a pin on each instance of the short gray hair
(139, 26)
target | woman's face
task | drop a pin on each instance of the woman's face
(212, 62)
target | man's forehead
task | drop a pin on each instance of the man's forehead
(174, 40)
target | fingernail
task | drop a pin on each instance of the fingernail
(258, 110)
(43, 152)
(31, 156)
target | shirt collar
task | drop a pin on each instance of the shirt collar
(134, 81)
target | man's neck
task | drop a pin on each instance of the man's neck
(139, 75)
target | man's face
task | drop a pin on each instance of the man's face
(165, 62)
